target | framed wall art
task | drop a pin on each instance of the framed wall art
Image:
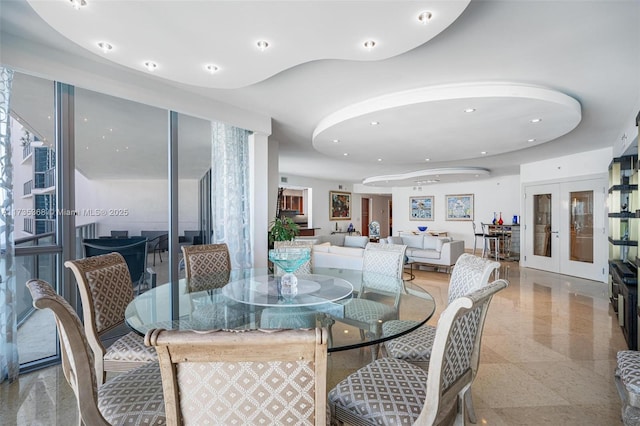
(459, 207)
(421, 207)
(339, 205)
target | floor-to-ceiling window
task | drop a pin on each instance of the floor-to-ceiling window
(35, 212)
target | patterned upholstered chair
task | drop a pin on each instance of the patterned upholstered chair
(207, 267)
(392, 391)
(469, 274)
(105, 289)
(250, 377)
(627, 379)
(379, 261)
(107, 404)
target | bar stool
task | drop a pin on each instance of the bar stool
(487, 238)
(476, 235)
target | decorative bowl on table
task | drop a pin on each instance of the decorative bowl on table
(289, 259)
(422, 228)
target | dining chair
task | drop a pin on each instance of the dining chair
(134, 252)
(161, 244)
(469, 274)
(207, 268)
(393, 391)
(248, 377)
(105, 289)
(380, 262)
(131, 398)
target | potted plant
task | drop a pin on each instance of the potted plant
(282, 229)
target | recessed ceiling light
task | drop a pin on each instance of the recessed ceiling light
(151, 66)
(427, 159)
(470, 110)
(369, 44)
(379, 159)
(77, 4)
(531, 140)
(262, 45)
(536, 120)
(374, 123)
(212, 69)
(335, 140)
(346, 154)
(105, 47)
(425, 17)
(484, 153)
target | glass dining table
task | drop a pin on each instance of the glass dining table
(352, 304)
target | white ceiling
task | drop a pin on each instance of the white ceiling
(575, 64)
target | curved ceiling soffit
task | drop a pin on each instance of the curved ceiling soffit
(428, 176)
(436, 123)
(214, 44)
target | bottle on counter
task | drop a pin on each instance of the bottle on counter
(500, 221)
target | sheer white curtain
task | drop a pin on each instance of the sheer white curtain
(230, 197)
(9, 363)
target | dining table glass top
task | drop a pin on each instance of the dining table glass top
(352, 304)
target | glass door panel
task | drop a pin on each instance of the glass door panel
(581, 225)
(542, 204)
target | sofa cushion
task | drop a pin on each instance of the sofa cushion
(414, 241)
(324, 247)
(419, 255)
(431, 243)
(394, 240)
(355, 241)
(346, 251)
(334, 239)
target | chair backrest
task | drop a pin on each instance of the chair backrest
(250, 377)
(385, 259)
(206, 266)
(306, 267)
(77, 356)
(105, 289)
(455, 350)
(162, 243)
(194, 237)
(132, 249)
(470, 273)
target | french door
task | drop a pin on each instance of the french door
(565, 228)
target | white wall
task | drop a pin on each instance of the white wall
(567, 167)
(146, 203)
(501, 194)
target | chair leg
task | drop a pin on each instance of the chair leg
(468, 402)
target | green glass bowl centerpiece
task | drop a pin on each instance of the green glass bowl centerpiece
(289, 259)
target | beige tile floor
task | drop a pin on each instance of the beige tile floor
(548, 358)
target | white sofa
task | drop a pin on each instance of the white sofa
(337, 251)
(430, 250)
